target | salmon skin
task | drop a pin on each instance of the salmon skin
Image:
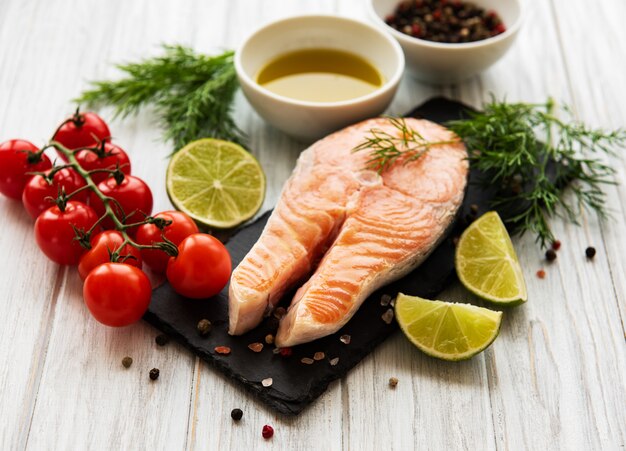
(340, 231)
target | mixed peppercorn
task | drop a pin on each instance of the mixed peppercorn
(449, 21)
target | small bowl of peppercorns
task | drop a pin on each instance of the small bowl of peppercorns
(446, 41)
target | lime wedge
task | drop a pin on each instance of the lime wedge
(446, 330)
(217, 183)
(487, 264)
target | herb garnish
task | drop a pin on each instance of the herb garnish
(192, 93)
(530, 155)
(386, 148)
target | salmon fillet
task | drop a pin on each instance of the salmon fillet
(354, 229)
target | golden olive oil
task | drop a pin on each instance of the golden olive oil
(320, 75)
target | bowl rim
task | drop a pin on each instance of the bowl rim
(410, 40)
(389, 84)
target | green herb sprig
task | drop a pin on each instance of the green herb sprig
(530, 157)
(192, 93)
(386, 148)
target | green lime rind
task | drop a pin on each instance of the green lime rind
(487, 264)
(445, 330)
(218, 183)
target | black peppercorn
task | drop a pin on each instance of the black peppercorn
(162, 339)
(127, 362)
(204, 327)
(236, 414)
(590, 252)
(154, 374)
(550, 255)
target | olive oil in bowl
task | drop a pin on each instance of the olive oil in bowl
(320, 75)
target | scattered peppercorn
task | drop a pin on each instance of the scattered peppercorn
(444, 21)
(556, 245)
(285, 352)
(204, 327)
(334, 361)
(127, 362)
(388, 316)
(268, 432)
(345, 339)
(307, 360)
(154, 374)
(319, 356)
(474, 209)
(384, 300)
(236, 414)
(269, 339)
(590, 252)
(393, 382)
(255, 347)
(541, 274)
(224, 350)
(162, 339)
(550, 255)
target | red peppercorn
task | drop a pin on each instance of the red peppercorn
(415, 30)
(286, 352)
(498, 29)
(556, 245)
(541, 274)
(268, 431)
(437, 14)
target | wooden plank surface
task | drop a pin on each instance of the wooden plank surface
(554, 379)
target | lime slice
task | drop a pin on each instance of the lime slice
(486, 262)
(446, 330)
(217, 183)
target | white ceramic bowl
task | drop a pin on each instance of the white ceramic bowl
(311, 120)
(439, 63)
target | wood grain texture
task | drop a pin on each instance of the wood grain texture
(554, 379)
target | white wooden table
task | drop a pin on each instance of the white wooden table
(554, 379)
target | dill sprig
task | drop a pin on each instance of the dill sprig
(535, 159)
(386, 148)
(192, 93)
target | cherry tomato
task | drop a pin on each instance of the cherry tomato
(181, 227)
(201, 269)
(16, 161)
(38, 190)
(55, 235)
(132, 194)
(82, 130)
(110, 156)
(102, 245)
(117, 294)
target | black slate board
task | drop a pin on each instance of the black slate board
(296, 385)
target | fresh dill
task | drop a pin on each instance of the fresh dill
(530, 157)
(192, 93)
(386, 148)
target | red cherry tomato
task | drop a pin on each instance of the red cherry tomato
(104, 244)
(201, 269)
(38, 191)
(181, 227)
(132, 194)
(55, 235)
(16, 161)
(117, 294)
(82, 130)
(109, 157)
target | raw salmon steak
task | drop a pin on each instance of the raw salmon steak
(341, 231)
